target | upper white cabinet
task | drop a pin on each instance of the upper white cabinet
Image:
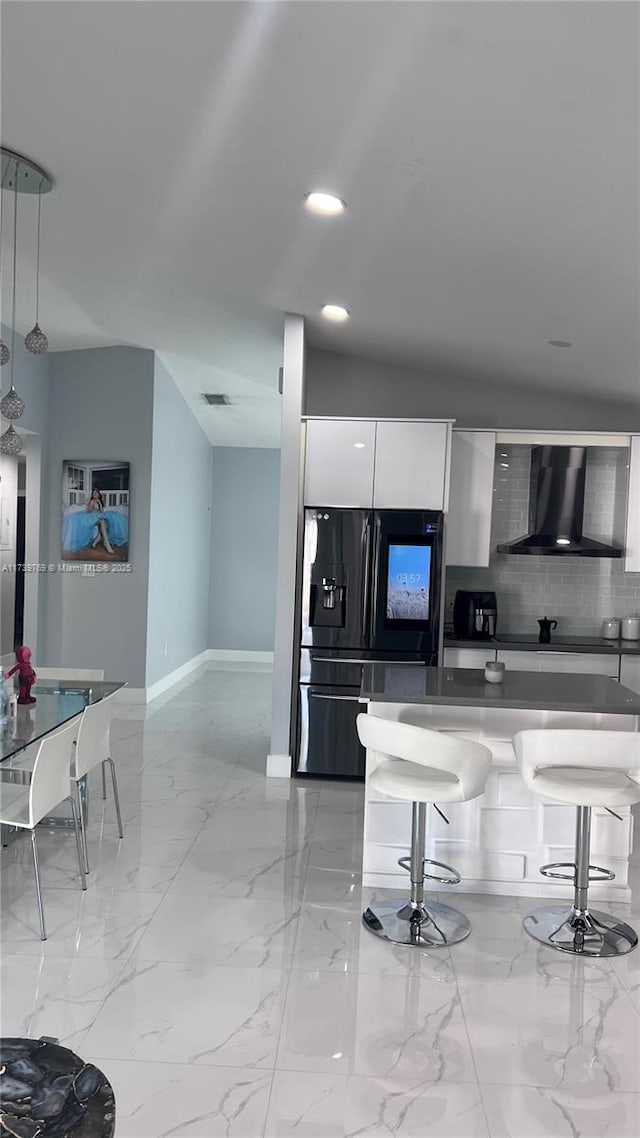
(339, 462)
(632, 542)
(411, 465)
(387, 465)
(470, 498)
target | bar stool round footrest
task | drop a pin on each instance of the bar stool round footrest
(582, 932)
(596, 872)
(422, 926)
(452, 879)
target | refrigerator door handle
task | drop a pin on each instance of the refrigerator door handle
(366, 587)
(375, 570)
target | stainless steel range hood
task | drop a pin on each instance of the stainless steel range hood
(556, 508)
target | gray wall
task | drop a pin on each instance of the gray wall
(180, 533)
(101, 406)
(337, 384)
(577, 592)
(244, 532)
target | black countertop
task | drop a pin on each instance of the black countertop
(467, 687)
(525, 642)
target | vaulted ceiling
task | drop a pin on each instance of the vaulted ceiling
(488, 153)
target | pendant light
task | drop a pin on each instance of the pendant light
(22, 176)
(35, 341)
(12, 406)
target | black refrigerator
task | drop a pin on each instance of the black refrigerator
(371, 589)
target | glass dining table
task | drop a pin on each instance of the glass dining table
(57, 702)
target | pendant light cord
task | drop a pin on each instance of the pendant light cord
(15, 246)
(38, 254)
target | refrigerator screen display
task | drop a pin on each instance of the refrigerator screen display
(408, 576)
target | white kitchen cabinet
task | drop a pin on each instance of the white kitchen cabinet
(632, 540)
(470, 498)
(411, 465)
(339, 462)
(468, 657)
(630, 672)
(580, 663)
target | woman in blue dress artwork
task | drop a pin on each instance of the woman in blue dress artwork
(94, 525)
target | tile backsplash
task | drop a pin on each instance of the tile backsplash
(578, 592)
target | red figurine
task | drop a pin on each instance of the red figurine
(26, 674)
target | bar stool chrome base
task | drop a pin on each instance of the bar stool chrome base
(432, 926)
(580, 932)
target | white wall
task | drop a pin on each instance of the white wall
(180, 529)
(338, 384)
(244, 541)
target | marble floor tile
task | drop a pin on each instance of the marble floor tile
(576, 1037)
(343, 1106)
(332, 938)
(95, 923)
(52, 995)
(177, 1013)
(627, 969)
(356, 1023)
(222, 930)
(251, 872)
(480, 960)
(539, 1112)
(266, 824)
(171, 1100)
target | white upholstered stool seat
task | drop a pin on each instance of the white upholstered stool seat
(578, 786)
(582, 769)
(418, 765)
(398, 779)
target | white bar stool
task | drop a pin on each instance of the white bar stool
(421, 766)
(582, 769)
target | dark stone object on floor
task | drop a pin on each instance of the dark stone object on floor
(46, 1091)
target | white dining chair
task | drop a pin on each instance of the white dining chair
(92, 747)
(24, 806)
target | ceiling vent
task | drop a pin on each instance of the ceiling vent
(214, 399)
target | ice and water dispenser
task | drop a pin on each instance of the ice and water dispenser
(327, 603)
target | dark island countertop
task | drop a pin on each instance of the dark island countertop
(467, 687)
(526, 642)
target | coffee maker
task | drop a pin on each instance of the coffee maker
(475, 615)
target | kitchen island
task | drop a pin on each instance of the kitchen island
(498, 841)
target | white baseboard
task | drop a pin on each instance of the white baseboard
(131, 695)
(178, 674)
(233, 655)
(278, 766)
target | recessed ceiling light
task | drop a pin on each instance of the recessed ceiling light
(335, 312)
(328, 205)
(359, 446)
(559, 343)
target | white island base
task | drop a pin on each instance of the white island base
(499, 841)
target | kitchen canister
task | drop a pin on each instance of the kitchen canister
(630, 627)
(494, 671)
(611, 628)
